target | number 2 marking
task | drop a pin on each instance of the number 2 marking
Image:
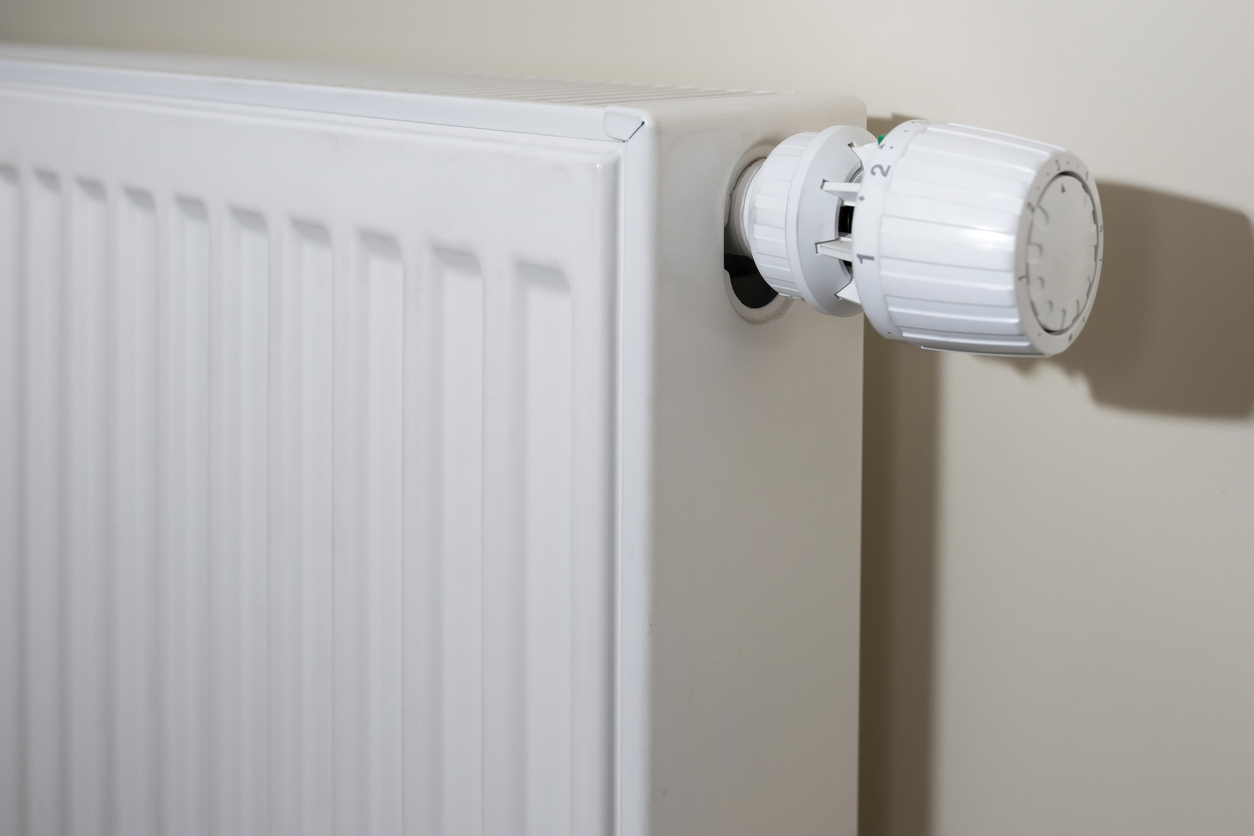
(880, 169)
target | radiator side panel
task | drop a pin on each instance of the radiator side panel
(306, 473)
(755, 566)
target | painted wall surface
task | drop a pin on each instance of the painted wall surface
(1059, 555)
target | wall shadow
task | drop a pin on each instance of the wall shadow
(899, 508)
(1169, 332)
(1167, 335)
(899, 477)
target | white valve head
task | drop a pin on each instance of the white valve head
(960, 239)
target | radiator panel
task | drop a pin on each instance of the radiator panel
(363, 474)
(300, 479)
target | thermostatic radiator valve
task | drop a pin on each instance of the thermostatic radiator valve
(948, 237)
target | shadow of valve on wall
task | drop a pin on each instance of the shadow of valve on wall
(1170, 330)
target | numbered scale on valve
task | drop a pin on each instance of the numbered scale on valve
(947, 237)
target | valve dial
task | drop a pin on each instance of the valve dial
(1062, 253)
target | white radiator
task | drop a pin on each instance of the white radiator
(382, 453)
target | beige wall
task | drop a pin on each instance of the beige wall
(1059, 626)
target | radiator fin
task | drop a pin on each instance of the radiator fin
(183, 321)
(133, 496)
(238, 397)
(460, 492)
(368, 537)
(44, 719)
(12, 582)
(548, 356)
(302, 564)
(86, 308)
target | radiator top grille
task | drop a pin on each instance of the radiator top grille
(519, 88)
